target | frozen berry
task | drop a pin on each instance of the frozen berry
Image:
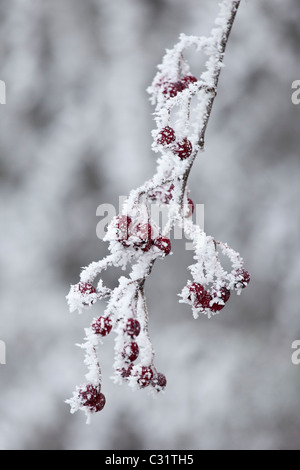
(185, 81)
(102, 326)
(216, 307)
(131, 351)
(159, 381)
(223, 293)
(163, 243)
(126, 372)
(86, 288)
(200, 295)
(99, 402)
(145, 376)
(167, 136)
(133, 327)
(190, 207)
(183, 149)
(242, 278)
(92, 398)
(142, 233)
(170, 89)
(123, 223)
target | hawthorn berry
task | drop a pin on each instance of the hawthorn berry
(167, 136)
(102, 326)
(123, 223)
(159, 381)
(143, 233)
(126, 372)
(163, 243)
(170, 89)
(223, 293)
(92, 398)
(183, 149)
(86, 288)
(133, 327)
(145, 377)
(190, 208)
(200, 295)
(216, 307)
(185, 81)
(131, 351)
(242, 278)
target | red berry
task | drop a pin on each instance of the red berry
(123, 223)
(159, 381)
(201, 296)
(242, 278)
(185, 81)
(145, 376)
(102, 326)
(100, 402)
(190, 208)
(133, 327)
(171, 88)
(167, 136)
(131, 351)
(217, 307)
(183, 149)
(223, 294)
(125, 373)
(92, 398)
(163, 243)
(142, 231)
(86, 288)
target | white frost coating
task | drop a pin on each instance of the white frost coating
(176, 93)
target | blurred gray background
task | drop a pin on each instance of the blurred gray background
(76, 133)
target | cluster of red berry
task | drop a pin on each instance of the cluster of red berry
(182, 148)
(215, 299)
(171, 89)
(139, 236)
(90, 396)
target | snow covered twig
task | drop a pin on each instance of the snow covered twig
(183, 106)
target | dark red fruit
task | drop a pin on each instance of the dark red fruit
(102, 326)
(92, 398)
(190, 208)
(170, 89)
(200, 295)
(183, 149)
(185, 81)
(126, 372)
(133, 327)
(131, 351)
(86, 288)
(242, 278)
(163, 243)
(159, 381)
(145, 376)
(217, 307)
(143, 232)
(167, 136)
(123, 223)
(223, 294)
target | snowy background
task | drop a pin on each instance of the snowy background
(76, 133)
